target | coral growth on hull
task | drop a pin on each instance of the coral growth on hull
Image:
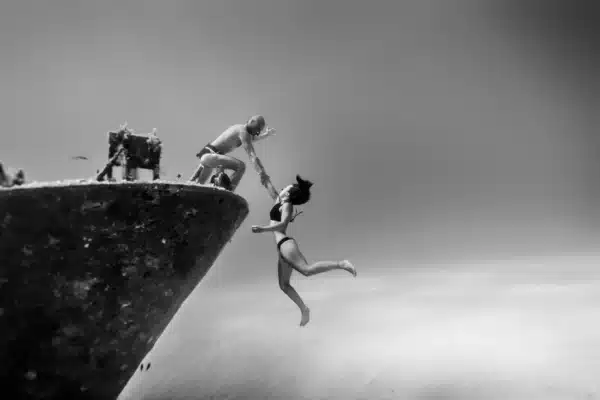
(91, 273)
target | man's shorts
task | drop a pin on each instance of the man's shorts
(208, 149)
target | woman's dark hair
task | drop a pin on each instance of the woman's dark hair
(300, 191)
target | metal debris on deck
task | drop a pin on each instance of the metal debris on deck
(9, 178)
(132, 152)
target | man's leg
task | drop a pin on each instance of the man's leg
(197, 173)
(217, 160)
(204, 173)
(201, 170)
(237, 174)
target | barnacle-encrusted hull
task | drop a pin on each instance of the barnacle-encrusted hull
(91, 273)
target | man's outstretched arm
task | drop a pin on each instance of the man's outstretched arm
(256, 163)
(267, 132)
(271, 189)
(258, 166)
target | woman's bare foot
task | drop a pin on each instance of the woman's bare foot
(347, 266)
(305, 317)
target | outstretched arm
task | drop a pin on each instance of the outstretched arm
(247, 145)
(264, 178)
(268, 184)
(271, 190)
(268, 132)
(286, 216)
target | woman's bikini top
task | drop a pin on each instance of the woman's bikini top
(275, 213)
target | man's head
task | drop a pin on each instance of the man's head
(256, 125)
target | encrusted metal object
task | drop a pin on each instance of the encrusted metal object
(132, 152)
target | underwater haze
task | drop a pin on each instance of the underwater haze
(518, 330)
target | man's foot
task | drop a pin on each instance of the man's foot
(305, 317)
(222, 180)
(347, 266)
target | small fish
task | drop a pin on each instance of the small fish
(79, 158)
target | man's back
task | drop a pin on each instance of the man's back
(230, 139)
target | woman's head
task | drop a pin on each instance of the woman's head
(298, 193)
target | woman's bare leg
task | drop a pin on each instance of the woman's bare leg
(294, 257)
(285, 272)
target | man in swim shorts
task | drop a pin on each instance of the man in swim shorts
(215, 154)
